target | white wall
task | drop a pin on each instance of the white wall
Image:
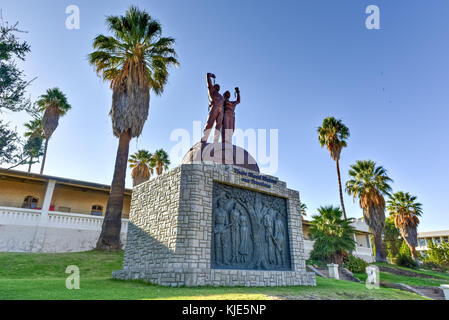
(27, 230)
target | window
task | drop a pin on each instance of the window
(97, 210)
(422, 242)
(367, 240)
(445, 239)
(30, 202)
(437, 241)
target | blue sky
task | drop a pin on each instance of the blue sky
(295, 62)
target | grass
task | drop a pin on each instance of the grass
(438, 277)
(435, 274)
(42, 276)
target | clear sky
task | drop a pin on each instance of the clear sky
(296, 62)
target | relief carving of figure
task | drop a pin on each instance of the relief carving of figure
(244, 238)
(268, 224)
(221, 233)
(234, 217)
(279, 236)
(250, 230)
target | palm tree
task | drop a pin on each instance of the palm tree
(54, 105)
(161, 161)
(35, 137)
(303, 208)
(405, 210)
(142, 164)
(333, 235)
(134, 60)
(370, 183)
(333, 134)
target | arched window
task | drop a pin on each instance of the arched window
(97, 210)
(30, 202)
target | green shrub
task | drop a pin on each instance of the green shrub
(430, 265)
(404, 260)
(392, 238)
(438, 255)
(404, 250)
(355, 264)
(333, 235)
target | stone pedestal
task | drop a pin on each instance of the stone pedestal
(333, 271)
(445, 288)
(175, 220)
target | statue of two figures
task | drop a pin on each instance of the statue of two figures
(221, 112)
(248, 238)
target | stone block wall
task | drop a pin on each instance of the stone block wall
(170, 230)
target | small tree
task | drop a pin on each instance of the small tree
(142, 165)
(303, 209)
(392, 238)
(333, 235)
(161, 161)
(438, 254)
(12, 83)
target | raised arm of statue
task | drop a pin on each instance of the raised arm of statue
(238, 95)
(210, 86)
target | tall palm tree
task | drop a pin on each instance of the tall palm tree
(134, 60)
(54, 105)
(333, 235)
(370, 183)
(333, 134)
(35, 137)
(405, 210)
(161, 161)
(142, 164)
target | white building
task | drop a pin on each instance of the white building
(436, 237)
(362, 238)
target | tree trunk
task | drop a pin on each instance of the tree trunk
(414, 254)
(110, 231)
(341, 191)
(29, 166)
(380, 251)
(410, 235)
(45, 155)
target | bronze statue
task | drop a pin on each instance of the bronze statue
(216, 103)
(229, 116)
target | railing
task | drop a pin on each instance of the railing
(30, 217)
(19, 216)
(363, 250)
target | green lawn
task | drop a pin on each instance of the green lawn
(42, 276)
(438, 278)
(435, 274)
